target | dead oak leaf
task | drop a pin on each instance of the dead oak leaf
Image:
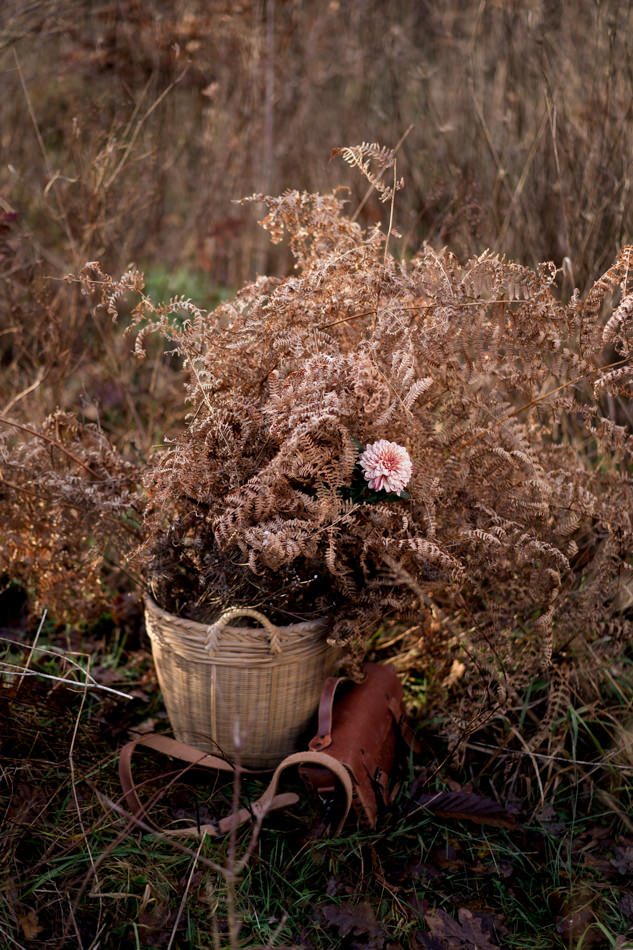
(357, 923)
(467, 933)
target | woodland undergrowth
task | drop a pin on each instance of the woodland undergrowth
(500, 589)
(510, 555)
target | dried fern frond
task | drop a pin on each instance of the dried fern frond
(363, 157)
(618, 277)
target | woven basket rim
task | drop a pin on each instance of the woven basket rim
(195, 630)
(298, 626)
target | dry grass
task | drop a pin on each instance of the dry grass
(520, 114)
(162, 115)
(77, 871)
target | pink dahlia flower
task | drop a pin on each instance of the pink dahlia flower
(386, 466)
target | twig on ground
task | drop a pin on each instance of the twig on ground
(186, 891)
(73, 783)
(33, 647)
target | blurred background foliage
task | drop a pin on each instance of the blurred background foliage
(129, 128)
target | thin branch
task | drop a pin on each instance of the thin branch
(54, 442)
(544, 396)
(7, 669)
(73, 782)
(140, 124)
(42, 147)
(186, 891)
(393, 203)
(65, 503)
(33, 648)
(25, 392)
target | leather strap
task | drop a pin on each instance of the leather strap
(268, 801)
(323, 737)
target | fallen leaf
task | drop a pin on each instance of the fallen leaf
(107, 676)
(457, 670)
(625, 905)
(143, 728)
(426, 941)
(548, 818)
(30, 925)
(623, 856)
(356, 921)
(466, 934)
(466, 806)
(574, 925)
(447, 856)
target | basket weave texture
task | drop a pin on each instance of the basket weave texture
(247, 693)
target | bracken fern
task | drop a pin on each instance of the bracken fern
(495, 388)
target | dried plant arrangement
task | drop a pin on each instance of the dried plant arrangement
(372, 439)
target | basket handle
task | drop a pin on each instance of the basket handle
(215, 630)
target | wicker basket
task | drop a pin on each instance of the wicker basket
(246, 692)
